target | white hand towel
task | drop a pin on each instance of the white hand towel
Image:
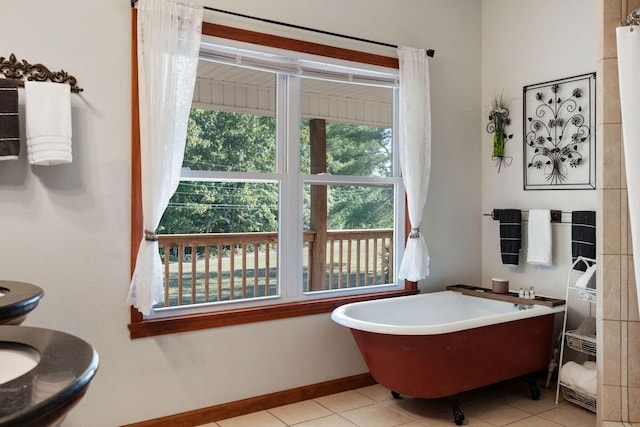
(48, 122)
(584, 279)
(539, 237)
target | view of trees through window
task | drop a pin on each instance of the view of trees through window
(231, 142)
(236, 142)
(239, 142)
(236, 210)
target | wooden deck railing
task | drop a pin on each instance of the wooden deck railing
(201, 268)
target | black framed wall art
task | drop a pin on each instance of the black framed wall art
(559, 134)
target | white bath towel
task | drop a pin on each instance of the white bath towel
(583, 378)
(48, 123)
(539, 237)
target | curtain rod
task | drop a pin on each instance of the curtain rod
(430, 52)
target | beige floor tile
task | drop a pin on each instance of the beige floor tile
(494, 392)
(547, 401)
(494, 411)
(534, 421)
(570, 415)
(299, 412)
(432, 412)
(344, 401)
(378, 415)
(468, 421)
(422, 408)
(375, 392)
(504, 404)
(257, 419)
(330, 421)
(412, 424)
(516, 388)
(447, 421)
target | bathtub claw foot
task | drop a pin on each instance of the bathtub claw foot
(395, 394)
(533, 387)
(458, 416)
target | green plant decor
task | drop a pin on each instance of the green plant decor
(498, 121)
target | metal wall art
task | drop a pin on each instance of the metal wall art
(559, 134)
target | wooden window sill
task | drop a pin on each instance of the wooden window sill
(193, 322)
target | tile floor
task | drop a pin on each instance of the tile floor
(504, 404)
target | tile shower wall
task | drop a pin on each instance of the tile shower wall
(618, 320)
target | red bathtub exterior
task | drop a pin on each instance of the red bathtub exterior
(432, 366)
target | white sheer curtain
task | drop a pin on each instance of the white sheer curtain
(169, 34)
(415, 155)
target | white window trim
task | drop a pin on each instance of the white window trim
(295, 63)
(291, 184)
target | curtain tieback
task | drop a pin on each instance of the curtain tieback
(150, 236)
(415, 233)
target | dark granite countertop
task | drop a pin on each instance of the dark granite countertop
(18, 300)
(67, 365)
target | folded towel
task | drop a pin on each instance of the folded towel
(9, 120)
(568, 372)
(583, 237)
(585, 278)
(539, 237)
(588, 382)
(48, 123)
(583, 378)
(510, 235)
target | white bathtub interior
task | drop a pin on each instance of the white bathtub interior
(431, 313)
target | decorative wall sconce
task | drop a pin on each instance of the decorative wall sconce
(498, 121)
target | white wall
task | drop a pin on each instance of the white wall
(524, 43)
(66, 228)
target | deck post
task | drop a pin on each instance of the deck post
(318, 139)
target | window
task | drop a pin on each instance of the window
(290, 190)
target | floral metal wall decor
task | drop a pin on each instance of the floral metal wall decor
(559, 134)
(498, 121)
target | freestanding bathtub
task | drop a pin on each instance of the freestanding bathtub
(443, 343)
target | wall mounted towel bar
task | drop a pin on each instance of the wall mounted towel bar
(556, 216)
(12, 69)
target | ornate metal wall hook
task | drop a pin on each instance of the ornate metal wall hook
(12, 69)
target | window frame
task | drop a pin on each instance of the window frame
(139, 326)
